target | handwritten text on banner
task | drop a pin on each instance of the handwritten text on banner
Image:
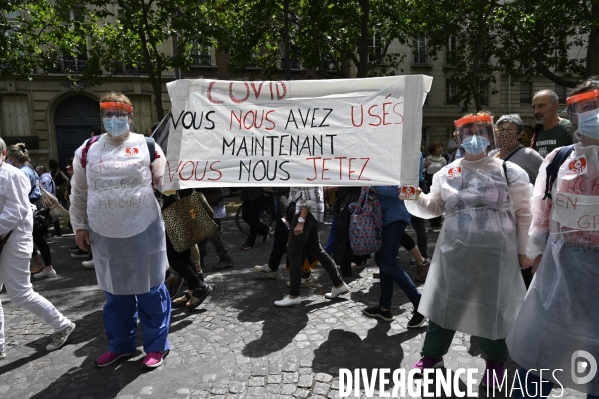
(350, 132)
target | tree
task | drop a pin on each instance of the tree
(325, 34)
(104, 37)
(538, 37)
(463, 29)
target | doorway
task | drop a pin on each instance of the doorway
(75, 117)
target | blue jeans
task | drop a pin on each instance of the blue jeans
(535, 387)
(391, 273)
(329, 247)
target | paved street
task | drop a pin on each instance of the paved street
(236, 345)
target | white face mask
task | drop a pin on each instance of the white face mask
(116, 126)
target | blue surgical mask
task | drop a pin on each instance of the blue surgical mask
(116, 126)
(588, 124)
(475, 145)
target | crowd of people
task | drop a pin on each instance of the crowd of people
(496, 234)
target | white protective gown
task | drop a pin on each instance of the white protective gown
(474, 284)
(113, 198)
(561, 312)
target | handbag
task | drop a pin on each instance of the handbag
(188, 221)
(366, 224)
(62, 191)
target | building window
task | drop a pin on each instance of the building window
(201, 55)
(483, 90)
(425, 138)
(451, 91)
(375, 49)
(73, 63)
(15, 116)
(526, 93)
(420, 51)
(562, 93)
(451, 52)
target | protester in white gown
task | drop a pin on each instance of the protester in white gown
(474, 283)
(16, 225)
(113, 207)
(558, 325)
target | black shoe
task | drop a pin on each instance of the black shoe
(246, 246)
(265, 235)
(74, 249)
(80, 254)
(199, 296)
(223, 264)
(376, 312)
(417, 320)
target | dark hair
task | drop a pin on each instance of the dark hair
(53, 164)
(96, 131)
(586, 85)
(41, 167)
(154, 126)
(433, 146)
(69, 161)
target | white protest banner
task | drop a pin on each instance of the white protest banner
(351, 132)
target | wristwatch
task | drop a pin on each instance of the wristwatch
(301, 219)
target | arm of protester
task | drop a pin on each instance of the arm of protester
(519, 194)
(158, 167)
(16, 190)
(541, 210)
(386, 191)
(432, 204)
(78, 198)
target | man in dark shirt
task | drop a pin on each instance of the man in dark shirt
(551, 131)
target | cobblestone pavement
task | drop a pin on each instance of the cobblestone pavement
(237, 345)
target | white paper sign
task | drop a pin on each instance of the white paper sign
(578, 212)
(351, 132)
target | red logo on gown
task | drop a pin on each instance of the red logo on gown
(454, 172)
(408, 191)
(131, 151)
(577, 166)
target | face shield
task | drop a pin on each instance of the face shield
(476, 134)
(583, 110)
(116, 117)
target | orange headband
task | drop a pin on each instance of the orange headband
(582, 96)
(115, 105)
(473, 119)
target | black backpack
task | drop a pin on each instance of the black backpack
(552, 169)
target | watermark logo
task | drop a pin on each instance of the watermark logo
(579, 367)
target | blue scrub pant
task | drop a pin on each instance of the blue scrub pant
(120, 320)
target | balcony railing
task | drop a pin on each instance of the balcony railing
(70, 65)
(202, 59)
(294, 63)
(129, 70)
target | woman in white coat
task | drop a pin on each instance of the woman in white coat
(558, 325)
(474, 283)
(16, 244)
(113, 207)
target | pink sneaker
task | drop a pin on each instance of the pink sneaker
(494, 374)
(153, 360)
(107, 358)
(428, 363)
